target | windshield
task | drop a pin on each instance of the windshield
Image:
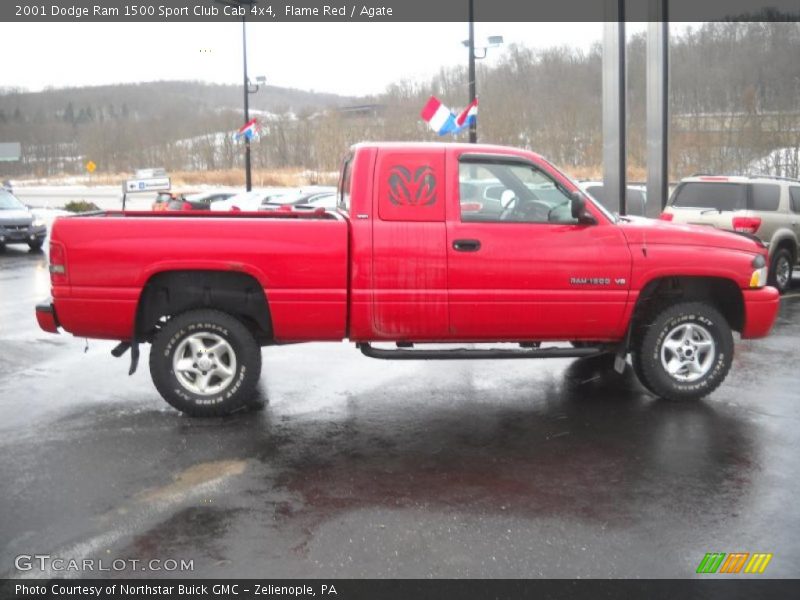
(608, 214)
(9, 202)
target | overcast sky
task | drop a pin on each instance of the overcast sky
(344, 58)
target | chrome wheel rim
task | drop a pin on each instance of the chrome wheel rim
(782, 270)
(687, 352)
(204, 363)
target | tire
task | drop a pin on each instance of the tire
(35, 246)
(231, 372)
(696, 340)
(780, 270)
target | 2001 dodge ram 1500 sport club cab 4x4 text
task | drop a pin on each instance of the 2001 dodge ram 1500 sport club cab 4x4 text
(431, 243)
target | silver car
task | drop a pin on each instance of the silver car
(18, 225)
(764, 206)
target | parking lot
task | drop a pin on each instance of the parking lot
(363, 468)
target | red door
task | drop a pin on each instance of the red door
(520, 267)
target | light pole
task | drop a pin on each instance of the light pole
(491, 42)
(248, 177)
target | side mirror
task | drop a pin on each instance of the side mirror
(506, 198)
(579, 212)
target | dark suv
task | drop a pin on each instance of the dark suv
(18, 225)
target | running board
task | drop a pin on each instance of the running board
(468, 353)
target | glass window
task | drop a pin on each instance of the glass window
(794, 194)
(596, 192)
(720, 196)
(493, 192)
(344, 186)
(766, 196)
(9, 202)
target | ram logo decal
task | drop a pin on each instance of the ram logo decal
(406, 189)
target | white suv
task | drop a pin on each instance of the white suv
(764, 206)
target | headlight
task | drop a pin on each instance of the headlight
(38, 223)
(759, 277)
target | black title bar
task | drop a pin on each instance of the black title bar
(278, 11)
(402, 589)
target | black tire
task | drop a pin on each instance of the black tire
(781, 261)
(239, 355)
(710, 345)
(35, 246)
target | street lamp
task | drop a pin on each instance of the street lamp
(491, 42)
(248, 89)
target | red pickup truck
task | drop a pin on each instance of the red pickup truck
(431, 243)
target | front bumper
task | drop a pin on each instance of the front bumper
(46, 316)
(22, 236)
(760, 310)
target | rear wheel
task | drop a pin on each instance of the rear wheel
(685, 352)
(205, 363)
(35, 245)
(780, 270)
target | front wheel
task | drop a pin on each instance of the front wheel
(685, 353)
(780, 271)
(205, 363)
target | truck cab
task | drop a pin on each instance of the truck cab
(467, 243)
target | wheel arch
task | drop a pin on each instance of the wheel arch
(785, 240)
(171, 292)
(722, 293)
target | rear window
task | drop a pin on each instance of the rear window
(795, 198)
(719, 196)
(765, 196)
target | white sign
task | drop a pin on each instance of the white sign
(150, 173)
(154, 184)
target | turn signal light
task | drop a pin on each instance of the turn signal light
(759, 278)
(746, 224)
(665, 216)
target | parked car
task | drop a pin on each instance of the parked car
(244, 201)
(199, 201)
(762, 206)
(18, 225)
(398, 263)
(163, 199)
(315, 199)
(635, 197)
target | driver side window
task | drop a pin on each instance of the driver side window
(496, 192)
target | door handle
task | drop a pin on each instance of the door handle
(467, 245)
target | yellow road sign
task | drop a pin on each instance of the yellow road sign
(90, 166)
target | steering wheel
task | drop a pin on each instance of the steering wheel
(534, 211)
(508, 211)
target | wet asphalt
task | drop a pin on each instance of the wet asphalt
(364, 468)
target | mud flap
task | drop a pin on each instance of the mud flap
(620, 358)
(122, 348)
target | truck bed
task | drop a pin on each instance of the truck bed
(111, 256)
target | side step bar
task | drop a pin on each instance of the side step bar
(468, 353)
